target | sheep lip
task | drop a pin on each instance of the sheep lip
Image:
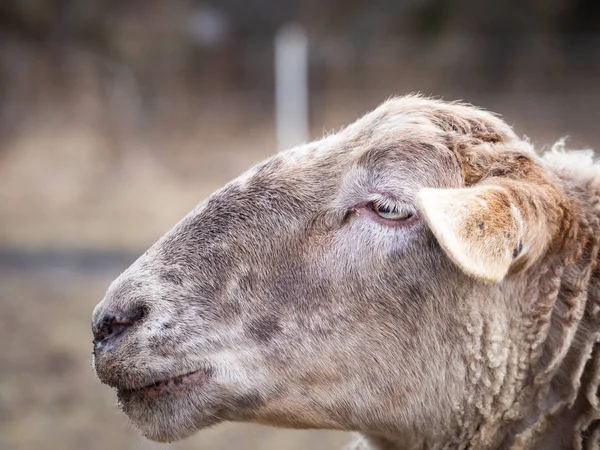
(173, 385)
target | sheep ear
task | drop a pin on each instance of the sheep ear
(479, 228)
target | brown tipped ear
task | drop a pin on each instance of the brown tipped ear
(484, 229)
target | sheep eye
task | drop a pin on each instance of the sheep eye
(390, 211)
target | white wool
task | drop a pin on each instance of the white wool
(573, 164)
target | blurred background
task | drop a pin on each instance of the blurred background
(118, 116)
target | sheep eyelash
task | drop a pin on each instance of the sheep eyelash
(384, 203)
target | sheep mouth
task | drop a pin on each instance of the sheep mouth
(170, 386)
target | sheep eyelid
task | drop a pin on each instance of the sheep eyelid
(387, 209)
(366, 209)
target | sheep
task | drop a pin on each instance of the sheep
(423, 277)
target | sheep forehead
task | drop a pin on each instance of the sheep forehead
(314, 173)
(345, 163)
(317, 175)
(314, 177)
(404, 119)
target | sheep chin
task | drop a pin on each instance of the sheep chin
(174, 408)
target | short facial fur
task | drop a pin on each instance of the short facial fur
(287, 300)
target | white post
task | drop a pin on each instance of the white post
(291, 86)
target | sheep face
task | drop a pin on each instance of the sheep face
(309, 292)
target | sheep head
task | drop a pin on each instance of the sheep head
(369, 281)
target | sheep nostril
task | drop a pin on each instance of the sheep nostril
(109, 329)
(115, 330)
(111, 326)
